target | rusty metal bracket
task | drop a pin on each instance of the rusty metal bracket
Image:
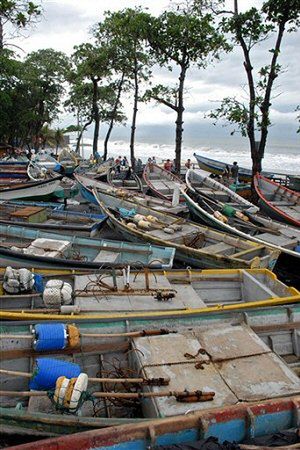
(194, 396)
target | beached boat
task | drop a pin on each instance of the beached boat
(97, 171)
(167, 294)
(161, 182)
(39, 190)
(277, 201)
(40, 218)
(26, 247)
(44, 159)
(269, 420)
(197, 245)
(87, 184)
(214, 204)
(37, 173)
(159, 377)
(218, 167)
(124, 177)
(13, 169)
(68, 160)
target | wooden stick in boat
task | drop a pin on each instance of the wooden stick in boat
(181, 396)
(98, 335)
(150, 381)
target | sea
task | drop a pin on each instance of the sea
(280, 157)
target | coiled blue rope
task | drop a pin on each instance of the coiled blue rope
(50, 336)
(48, 370)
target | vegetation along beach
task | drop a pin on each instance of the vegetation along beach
(149, 224)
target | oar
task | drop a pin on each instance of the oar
(181, 396)
(146, 381)
(131, 334)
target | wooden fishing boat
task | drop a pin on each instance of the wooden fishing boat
(214, 204)
(197, 245)
(277, 201)
(68, 160)
(87, 184)
(166, 388)
(40, 218)
(161, 182)
(44, 159)
(271, 417)
(97, 171)
(26, 247)
(37, 173)
(13, 169)
(124, 177)
(218, 167)
(166, 294)
(43, 190)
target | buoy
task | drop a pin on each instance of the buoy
(228, 211)
(176, 227)
(132, 225)
(73, 336)
(49, 369)
(68, 392)
(169, 230)
(144, 224)
(152, 219)
(242, 216)
(70, 309)
(52, 336)
(60, 390)
(220, 217)
(137, 217)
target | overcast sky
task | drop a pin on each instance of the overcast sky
(66, 23)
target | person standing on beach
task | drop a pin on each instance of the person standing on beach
(118, 163)
(188, 164)
(168, 165)
(235, 171)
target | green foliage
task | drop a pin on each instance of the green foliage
(18, 14)
(185, 38)
(162, 94)
(31, 93)
(249, 29)
(125, 33)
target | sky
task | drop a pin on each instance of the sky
(66, 23)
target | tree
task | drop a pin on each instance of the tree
(18, 14)
(249, 29)
(30, 94)
(126, 32)
(45, 75)
(92, 65)
(185, 37)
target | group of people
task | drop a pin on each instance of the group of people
(233, 172)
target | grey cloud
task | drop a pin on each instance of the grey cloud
(61, 18)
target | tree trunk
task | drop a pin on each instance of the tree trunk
(133, 123)
(81, 134)
(96, 115)
(1, 35)
(265, 107)
(111, 124)
(179, 120)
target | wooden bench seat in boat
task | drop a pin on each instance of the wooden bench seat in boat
(220, 248)
(107, 256)
(253, 288)
(282, 203)
(281, 241)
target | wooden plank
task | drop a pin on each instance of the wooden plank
(102, 348)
